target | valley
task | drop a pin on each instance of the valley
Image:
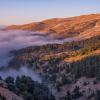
(61, 55)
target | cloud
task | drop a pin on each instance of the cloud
(10, 40)
(24, 70)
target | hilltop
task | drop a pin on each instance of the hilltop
(84, 26)
(70, 69)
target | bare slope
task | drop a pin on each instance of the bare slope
(83, 26)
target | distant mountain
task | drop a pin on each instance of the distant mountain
(83, 26)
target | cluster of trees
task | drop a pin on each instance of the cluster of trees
(32, 53)
(53, 68)
(90, 48)
(73, 95)
(76, 94)
(89, 67)
(75, 45)
(2, 97)
(60, 73)
(28, 89)
(55, 72)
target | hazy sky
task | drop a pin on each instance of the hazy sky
(26, 11)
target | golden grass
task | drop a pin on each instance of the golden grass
(80, 57)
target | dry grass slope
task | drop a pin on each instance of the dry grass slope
(83, 26)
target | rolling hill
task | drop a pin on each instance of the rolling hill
(71, 69)
(84, 26)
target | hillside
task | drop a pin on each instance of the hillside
(68, 67)
(83, 26)
(8, 95)
(23, 88)
(71, 70)
(80, 57)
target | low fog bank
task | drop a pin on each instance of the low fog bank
(2, 27)
(24, 70)
(10, 40)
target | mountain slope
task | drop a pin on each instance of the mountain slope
(81, 26)
(64, 66)
(8, 94)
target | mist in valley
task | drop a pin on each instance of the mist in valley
(14, 40)
(11, 40)
(23, 70)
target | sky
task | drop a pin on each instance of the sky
(26, 11)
